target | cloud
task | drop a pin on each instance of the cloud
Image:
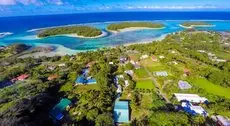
(56, 2)
(7, 2)
(172, 7)
(27, 2)
(30, 2)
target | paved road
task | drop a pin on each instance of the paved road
(157, 85)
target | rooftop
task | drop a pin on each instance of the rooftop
(121, 112)
(190, 97)
(57, 110)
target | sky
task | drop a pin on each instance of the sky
(43, 7)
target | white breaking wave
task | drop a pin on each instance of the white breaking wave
(4, 34)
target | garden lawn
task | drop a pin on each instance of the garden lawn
(152, 66)
(144, 109)
(84, 88)
(145, 84)
(212, 88)
(141, 73)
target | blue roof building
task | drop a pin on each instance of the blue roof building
(84, 78)
(121, 112)
(57, 110)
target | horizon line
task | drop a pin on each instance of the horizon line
(165, 11)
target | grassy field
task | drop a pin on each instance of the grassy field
(141, 73)
(145, 84)
(143, 110)
(152, 66)
(212, 88)
(224, 55)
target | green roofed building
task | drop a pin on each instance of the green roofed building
(58, 109)
(121, 112)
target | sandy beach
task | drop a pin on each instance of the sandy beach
(133, 29)
(77, 36)
(193, 26)
(59, 51)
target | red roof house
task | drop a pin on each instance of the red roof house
(52, 77)
(20, 78)
(186, 71)
(154, 58)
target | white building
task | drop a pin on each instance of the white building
(129, 72)
(188, 107)
(194, 98)
(144, 56)
(162, 73)
(119, 89)
(61, 65)
(161, 57)
(126, 83)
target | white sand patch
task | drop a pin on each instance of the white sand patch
(133, 29)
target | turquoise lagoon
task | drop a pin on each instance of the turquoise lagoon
(109, 40)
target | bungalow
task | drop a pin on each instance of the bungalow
(161, 57)
(58, 109)
(221, 121)
(20, 78)
(201, 51)
(51, 68)
(61, 65)
(144, 56)
(126, 83)
(52, 77)
(193, 110)
(186, 72)
(135, 64)
(129, 72)
(121, 112)
(174, 62)
(193, 98)
(123, 60)
(117, 85)
(162, 73)
(154, 59)
(84, 78)
(119, 89)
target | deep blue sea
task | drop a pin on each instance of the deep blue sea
(23, 27)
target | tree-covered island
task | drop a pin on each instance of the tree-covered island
(81, 31)
(124, 25)
(195, 24)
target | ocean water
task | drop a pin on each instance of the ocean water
(24, 28)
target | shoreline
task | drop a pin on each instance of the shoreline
(133, 29)
(146, 42)
(76, 36)
(194, 26)
(60, 50)
(79, 36)
(4, 34)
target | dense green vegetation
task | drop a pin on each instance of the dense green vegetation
(196, 23)
(123, 25)
(84, 31)
(26, 102)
